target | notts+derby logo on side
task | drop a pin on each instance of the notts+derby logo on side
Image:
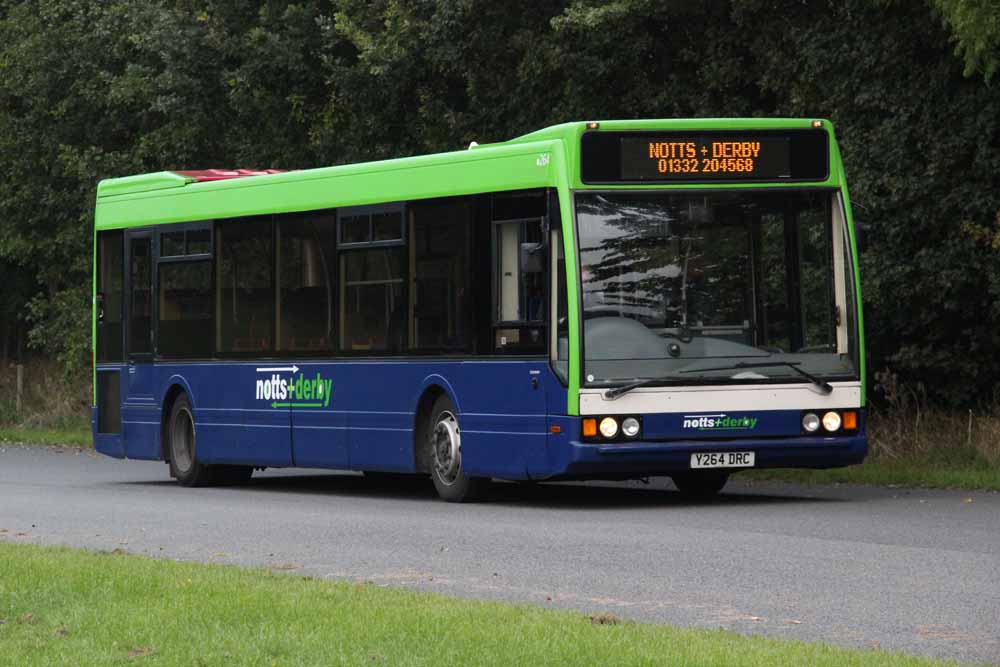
(292, 391)
(718, 422)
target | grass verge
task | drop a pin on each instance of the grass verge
(913, 445)
(908, 473)
(55, 408)
(73, 435)
(62, 606)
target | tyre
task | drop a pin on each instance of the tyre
(700, 484)
(183, 452)
(443, 441)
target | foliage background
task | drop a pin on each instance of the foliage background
(94, 90)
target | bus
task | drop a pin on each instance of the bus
(594, 300)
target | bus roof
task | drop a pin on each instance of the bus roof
(544, 158)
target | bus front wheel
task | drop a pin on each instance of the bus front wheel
(700, 484)
(444, 444)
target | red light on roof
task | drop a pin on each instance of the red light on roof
(223, 174)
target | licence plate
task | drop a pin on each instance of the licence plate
(722, 460)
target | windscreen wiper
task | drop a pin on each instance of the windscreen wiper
(824, 386)
(612, 394)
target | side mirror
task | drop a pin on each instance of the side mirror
(531, 257)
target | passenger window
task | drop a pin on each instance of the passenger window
(171, 244)
(245, 286)
(306, 282)
(199, 241)
(440, 290)
(355, 229)
(365, 226)
(185, 309)
(373, 310)
(373, 307)
(186, 242)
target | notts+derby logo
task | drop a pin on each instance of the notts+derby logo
(719, 422)
(293, 391)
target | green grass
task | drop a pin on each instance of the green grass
(64, 607)
(72, 435)
(908, 473)
(957, 467)
(918, 447)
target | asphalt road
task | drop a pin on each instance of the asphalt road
(917, 571)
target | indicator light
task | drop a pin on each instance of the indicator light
(850, 420)
(555, 429)
(589, 428)
(609, 427)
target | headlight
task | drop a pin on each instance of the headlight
(810, 422)
(609, 427)
(831, 421)
(630, 427)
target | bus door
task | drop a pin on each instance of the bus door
(515, 391)
(140, 416)
(109, 342)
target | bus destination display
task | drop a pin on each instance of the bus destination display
(701, 158)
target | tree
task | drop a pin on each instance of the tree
(89, 91)
(975, 27)
(94, 90)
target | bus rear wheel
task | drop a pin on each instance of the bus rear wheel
(443, 441)
(182, 447)
(700, 484)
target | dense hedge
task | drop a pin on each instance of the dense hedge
(90, 90)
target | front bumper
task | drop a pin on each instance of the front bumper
(572, 458)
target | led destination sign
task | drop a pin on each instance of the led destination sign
(758, 156)
(653, 158)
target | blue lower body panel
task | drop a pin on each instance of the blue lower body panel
(362, 415)
(577, 459)
(340, 414)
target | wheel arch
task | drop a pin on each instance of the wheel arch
(432, 388)
(176, 386)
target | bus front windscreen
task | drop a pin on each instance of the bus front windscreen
(720, 287)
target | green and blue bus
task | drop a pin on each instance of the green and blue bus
(594, 300)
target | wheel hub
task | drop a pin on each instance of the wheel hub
(182, 440)
(446, 443)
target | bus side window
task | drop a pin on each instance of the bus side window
(440, 287)
(307, 269)
(244, 282)
(373, 301)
